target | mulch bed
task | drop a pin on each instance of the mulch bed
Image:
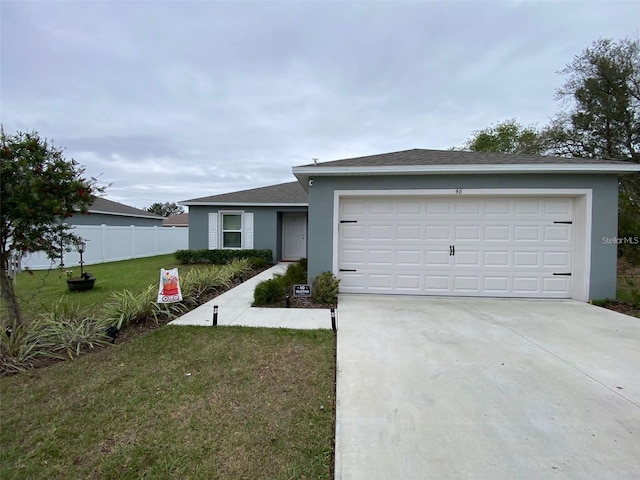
(622, 307)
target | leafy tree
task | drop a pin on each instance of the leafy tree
(602, 99)
(601, 119)
(39, 188)
(507, 137)
(165, 209)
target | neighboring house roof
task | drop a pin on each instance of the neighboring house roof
(421, 161)
(283, 194)
(109, 207)
(179, 220)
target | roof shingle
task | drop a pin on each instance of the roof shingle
(283, 193)
(419, 156)
(102, 205)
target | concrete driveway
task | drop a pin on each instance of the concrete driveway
(444, 388)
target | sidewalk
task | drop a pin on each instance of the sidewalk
(234, 308)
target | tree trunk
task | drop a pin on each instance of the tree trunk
(9, 294)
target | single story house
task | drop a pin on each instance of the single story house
(273, 217)
(114, 214)
(431, 222)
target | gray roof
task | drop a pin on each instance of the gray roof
(419, 156)
(281, 194)
(178, 220)
(109, 207)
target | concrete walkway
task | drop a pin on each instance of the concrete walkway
(234, 308)
(456, 388)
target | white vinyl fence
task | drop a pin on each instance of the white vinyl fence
(109, 244)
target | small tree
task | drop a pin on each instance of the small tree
(165, 209)
(507, 137)
(39, 188)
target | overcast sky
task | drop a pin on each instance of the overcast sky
(172, 100)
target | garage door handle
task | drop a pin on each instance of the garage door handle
(452, 250)
(348, 221)
(562, 274)
(346, 270)
(566, 223)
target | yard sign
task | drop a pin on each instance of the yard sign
(169, 290)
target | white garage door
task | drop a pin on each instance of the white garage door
(471, 246)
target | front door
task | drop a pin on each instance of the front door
(294, 235)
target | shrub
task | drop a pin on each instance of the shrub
(125, 308)
(18, 347)
(269, 292)
(258, 262)
(62, 331)
(67, 338)
(221, 257)
(325, 289)
(296, 273)
(634, 293)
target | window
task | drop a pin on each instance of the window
(231, 230)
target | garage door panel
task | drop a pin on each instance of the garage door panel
(527, 207)
(409, 207)
(466, 232)
(557, 259)
(498, 259)
(408, 257)
(437, 232)
(381, 258)
(466, 258)
(561, 206)
(380, 281)
(465, 207)
(557, 233)
(526, 233)
(352, 282)
(504, 246)
(466, 283)
(497, 233)
(354, 256)
(409, 232)
(557, 285)
(526, 285)
(498, 207)
(526, 259)
(354, 207)
(438, 207)
(437, 258)
(407, 283)
(437, 283)
(351, 231)
(380, 232)
(496, 285)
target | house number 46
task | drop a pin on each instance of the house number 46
(458, 191)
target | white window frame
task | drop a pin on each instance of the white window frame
(241, 231)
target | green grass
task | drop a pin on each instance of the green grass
(179, 402)
(41, 288)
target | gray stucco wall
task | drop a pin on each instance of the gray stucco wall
(113, 220)
(604, 212)
(267, 226)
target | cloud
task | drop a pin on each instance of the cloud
(174, 100)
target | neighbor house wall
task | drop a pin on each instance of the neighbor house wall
(604, 212)
(267, 226)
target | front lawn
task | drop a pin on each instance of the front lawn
(37, 290)
(179, 402)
